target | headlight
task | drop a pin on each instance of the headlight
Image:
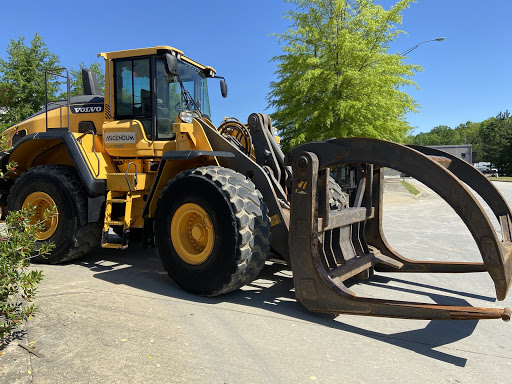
(186, 117)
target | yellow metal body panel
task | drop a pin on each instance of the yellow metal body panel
(123, 182)
(137, 208)
(191, 136)
(138, 52)
(151, 51)
(171, 169)
(55, 120)
(140, 146)
(37, 152)
(97, 158)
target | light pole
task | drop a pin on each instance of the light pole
(407, 51)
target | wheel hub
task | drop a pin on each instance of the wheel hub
(192, 234)
(42, 203)
(198, 232)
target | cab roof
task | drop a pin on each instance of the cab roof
(159, 49)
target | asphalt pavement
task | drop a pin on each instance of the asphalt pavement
(115, 317)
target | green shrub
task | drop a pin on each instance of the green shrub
(18, 283)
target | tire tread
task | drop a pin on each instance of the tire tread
(87, 235)
(250, 215)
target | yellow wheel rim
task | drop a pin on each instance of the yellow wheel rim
(42, 202)
(192, 234)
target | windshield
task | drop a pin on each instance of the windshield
(171, 100)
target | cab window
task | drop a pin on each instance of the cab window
(170, 98)
(168, 102)
(133, 91)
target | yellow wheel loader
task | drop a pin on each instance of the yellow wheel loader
(215, 202)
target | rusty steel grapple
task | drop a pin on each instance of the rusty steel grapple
(327, 246)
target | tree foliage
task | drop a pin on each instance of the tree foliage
(18, 244)
(76, 82)
(496, 142)
(467, 133)
(491, 139)
(18, 283)
(22, 79)
(335, 77)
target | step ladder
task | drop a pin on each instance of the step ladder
(125, 223)
(120, 187)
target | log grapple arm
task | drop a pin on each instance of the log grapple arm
(327, 247)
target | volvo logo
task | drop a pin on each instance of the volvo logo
(89, 108)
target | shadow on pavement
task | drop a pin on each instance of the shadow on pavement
(17, 335)
(273, 291)
(386, 279)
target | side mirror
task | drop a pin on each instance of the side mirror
(171, 64)
(223, 88)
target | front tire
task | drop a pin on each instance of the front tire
(212, 230)
(47, 185)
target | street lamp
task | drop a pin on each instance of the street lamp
(417, 45)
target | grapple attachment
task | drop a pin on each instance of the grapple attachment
(327, 247)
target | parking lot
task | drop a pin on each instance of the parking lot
(115, 317)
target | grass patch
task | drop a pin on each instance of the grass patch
(501, 178)
(410, 187)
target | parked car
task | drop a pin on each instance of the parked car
(491, 172)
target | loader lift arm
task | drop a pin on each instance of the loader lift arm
(328, 247)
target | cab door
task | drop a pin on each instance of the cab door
(138, 112)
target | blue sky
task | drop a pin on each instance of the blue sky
(466, 78)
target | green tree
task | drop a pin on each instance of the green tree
(76, 82)
(22, 80)
(470, 134)
(440, 135)
(496, 142)
(18, 243)
(18, 284)
(335, 77)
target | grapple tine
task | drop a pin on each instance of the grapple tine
(472, 177)
(320, 286)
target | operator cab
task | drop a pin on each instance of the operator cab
(143, 90)
(134, 90)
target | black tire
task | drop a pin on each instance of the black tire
(74, 236)
(240, 223)
(337, 198)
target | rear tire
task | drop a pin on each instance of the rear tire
(337, 198)
(73, 236)
(226, 242)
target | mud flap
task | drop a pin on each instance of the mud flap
(328, 247)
